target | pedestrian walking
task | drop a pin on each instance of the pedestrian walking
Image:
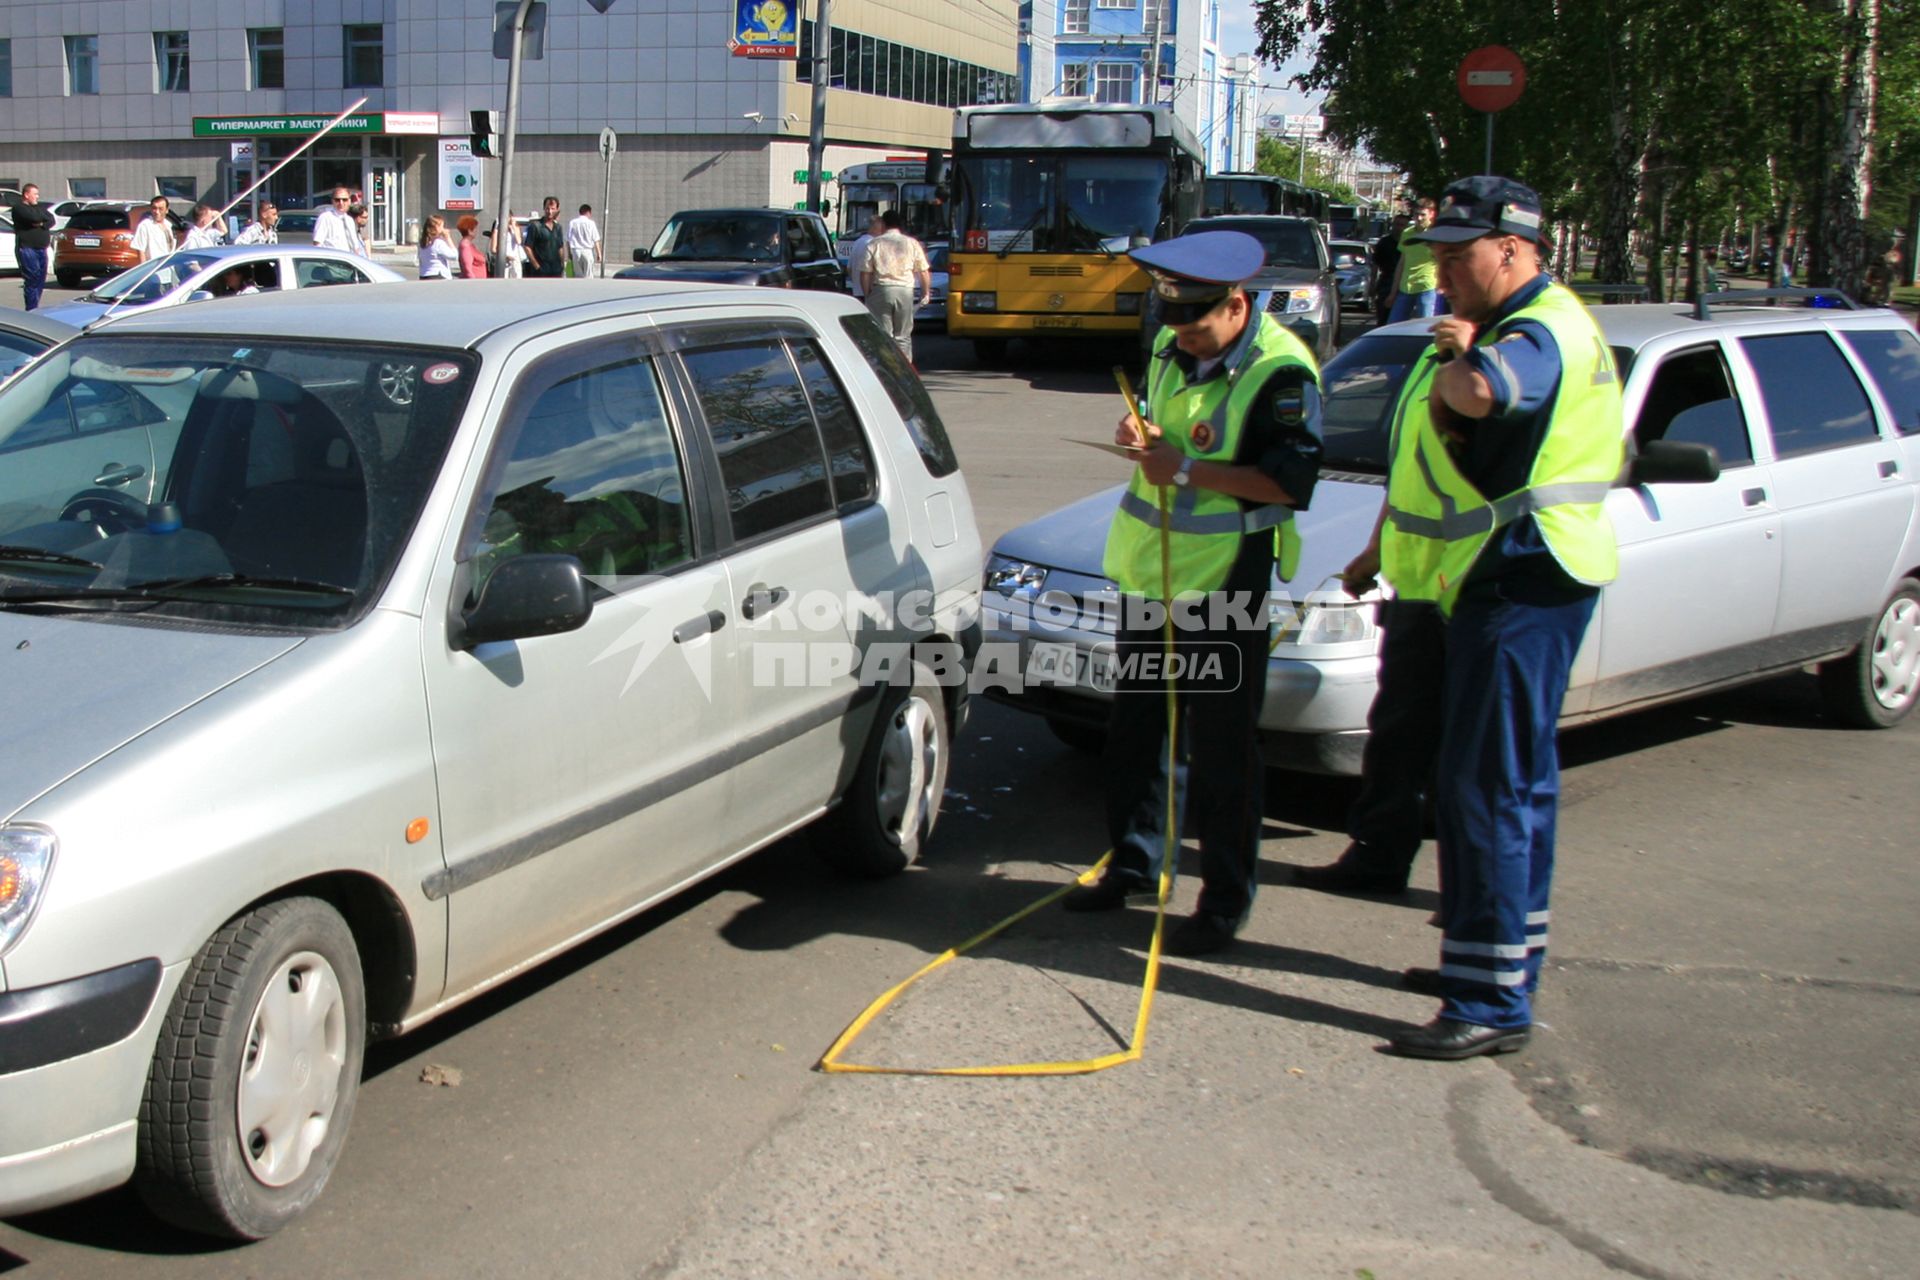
(153, 238)
(1232, 445)
(895, 262)
(32, 237)
(473, 259)
(547, 242)
(263, 230)
(583, 245)
(1386, 267)
(362, 244)
(438, 255)
(333, 227)
(1416, 290)
(857, 255)
(1510, 431)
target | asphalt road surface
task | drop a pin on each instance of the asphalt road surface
(1722, 1085)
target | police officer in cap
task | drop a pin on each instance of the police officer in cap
(1232, 447)
(1508, 436)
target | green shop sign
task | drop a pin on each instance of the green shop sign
(373, 122)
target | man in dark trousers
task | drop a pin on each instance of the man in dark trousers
(1232, 448)
(547, 243)
(32, 227)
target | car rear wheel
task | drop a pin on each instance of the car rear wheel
(884, 821)
(1876, 686)
(255, 1075)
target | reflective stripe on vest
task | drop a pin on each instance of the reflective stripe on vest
(1205, 422)
(1438, 522)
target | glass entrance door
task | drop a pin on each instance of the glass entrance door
(383, 199)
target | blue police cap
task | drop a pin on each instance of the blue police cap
(1193, 272)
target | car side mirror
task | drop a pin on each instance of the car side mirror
(643, 255)
(524, 597)
(199, 295)
(1672, 462)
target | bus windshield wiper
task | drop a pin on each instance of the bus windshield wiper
(1025, 227)
(1079, 223)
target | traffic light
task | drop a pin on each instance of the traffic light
(486, 133)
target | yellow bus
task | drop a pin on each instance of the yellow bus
(1047, 199)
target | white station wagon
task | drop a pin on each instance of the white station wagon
(344, 677)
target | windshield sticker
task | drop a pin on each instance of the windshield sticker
(439, 373)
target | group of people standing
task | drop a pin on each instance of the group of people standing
(547, 249)
(1493, 535)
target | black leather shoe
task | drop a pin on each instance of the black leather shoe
(1450, 1041)
(1201, 933)
(1109, 893)
(1422, 982)
(1347, 876)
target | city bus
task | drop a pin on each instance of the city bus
(1263, 193)
(879, 185)
(1046, 200)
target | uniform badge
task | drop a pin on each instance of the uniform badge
(1202, 436)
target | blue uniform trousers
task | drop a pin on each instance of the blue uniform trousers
(1498, 792)
(33, 275)
(1403, 733)
(1221, 774)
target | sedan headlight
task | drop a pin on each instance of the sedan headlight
(26, 860)
(1009, 576)
(1327, 616)
(1303, 299)
(979, 302)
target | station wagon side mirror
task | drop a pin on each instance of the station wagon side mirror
(524, 597)
(1672, 462)
(643, 255)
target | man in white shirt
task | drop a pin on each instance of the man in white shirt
(333, 229)
(265, 230)
(153, 238)
(894, 262)
(583, 244)
(205, 233)
(857, 256)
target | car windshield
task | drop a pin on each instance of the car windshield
(1288, 244)
(1359, 388)
(259, 481)
(152, 281)
(706, 237)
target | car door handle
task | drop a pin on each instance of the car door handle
(1889, 468)
(112, 474)
(694, 628)
(1753, 497)
(762, 600)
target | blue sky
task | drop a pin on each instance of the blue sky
(1237, 36)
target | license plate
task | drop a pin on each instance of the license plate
(86, 242)
(1056, 322)
(1066, 664)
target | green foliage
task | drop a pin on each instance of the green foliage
(1282, 160)
(1668, 117)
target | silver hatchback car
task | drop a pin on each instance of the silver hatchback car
(1805, 549)
(346, 677)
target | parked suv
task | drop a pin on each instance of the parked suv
(777, 247)
(1804, 549)
(98, 240)
(327, 709)
(1297, 284)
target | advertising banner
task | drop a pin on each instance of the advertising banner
(459, 176)
(765, 29)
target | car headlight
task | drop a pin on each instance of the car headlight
(26, 860)
(1008, 576)
(1327, 616)
(979, 302)
(1303, 299)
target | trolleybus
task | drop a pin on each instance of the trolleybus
(1263, 193)
(1047, 199)
(869, 189)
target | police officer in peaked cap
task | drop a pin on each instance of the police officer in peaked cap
(1508, 434)
(1232, 447)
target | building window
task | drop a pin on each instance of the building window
(6, 68)
(1114, 82)
(1116, 4)
(365, 48)
(86, 188)
(186, 190)
(1159, 16)
(1073, 80)
(1078, 20)
(267, 55)
(83, 64)
(170, 73)
(864, 64)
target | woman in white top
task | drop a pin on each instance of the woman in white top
(439, 256)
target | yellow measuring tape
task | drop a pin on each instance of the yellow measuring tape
(830, 1060)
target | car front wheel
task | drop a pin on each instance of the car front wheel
(884, 821)
(1876, 686)
(256, 1072)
